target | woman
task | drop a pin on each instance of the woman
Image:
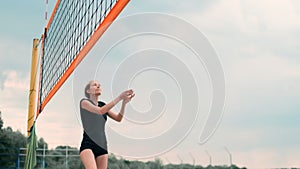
(93, 149)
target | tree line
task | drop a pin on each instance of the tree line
(11, 143)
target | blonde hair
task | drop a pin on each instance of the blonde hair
(87, 87)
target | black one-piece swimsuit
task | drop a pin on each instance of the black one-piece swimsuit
(94, 137)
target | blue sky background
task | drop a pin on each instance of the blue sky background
(258, 46)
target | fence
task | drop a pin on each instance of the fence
(64, 158)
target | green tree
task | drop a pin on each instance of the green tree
(60, 158)
(122, 163)
(137, 165)
(42, 143)
(113, 166)
(1, 121)
(10, 144)
(156, 164)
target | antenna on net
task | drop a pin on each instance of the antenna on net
(46, 12)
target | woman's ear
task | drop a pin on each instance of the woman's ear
(88, 91)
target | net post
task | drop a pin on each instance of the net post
(33, 85)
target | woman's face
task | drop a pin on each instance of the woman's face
(95, 88)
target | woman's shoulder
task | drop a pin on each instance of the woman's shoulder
(101, 103)
(85, 99)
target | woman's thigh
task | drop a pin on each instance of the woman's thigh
(88, 159)
(102, 161)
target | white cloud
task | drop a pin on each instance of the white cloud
(15, 81)
(276, 16)
(248, 16)
(14, 100)
(15, 55)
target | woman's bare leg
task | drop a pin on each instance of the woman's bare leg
(102, 161)
(88, 159)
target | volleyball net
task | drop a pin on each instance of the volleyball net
(73, 29)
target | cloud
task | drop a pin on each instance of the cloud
(16, 80)
(248, 16)
(257, 45)
(14, 99)
(166, 6)
(15, 56)
(2, 80)
(57, 129)
(270, 25)
(60, 115)
(276, 16)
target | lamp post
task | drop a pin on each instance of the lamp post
(230, 156)
(209, 157)
(193, 159)
(181, 161)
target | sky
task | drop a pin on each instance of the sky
(255, 42)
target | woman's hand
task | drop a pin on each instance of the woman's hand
(128, 98)
(127, 93)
